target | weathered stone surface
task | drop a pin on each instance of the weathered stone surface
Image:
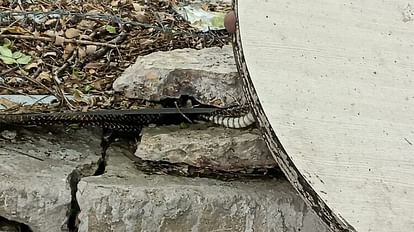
(200, 146)
(34, 169)
(123, 199)
(210, 75)
(33, 175)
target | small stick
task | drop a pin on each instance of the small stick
(40, 84)
(178, 108)
(47, 39)
(63, 98)
(8, 71)
(11, 90)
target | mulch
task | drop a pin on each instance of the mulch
(79, 48)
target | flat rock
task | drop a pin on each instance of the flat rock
(124, 199)
(34, 168)
(209, 75)
(200, 146)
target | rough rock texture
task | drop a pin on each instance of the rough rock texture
(34, 168)
(34, 190)
(124, 199)
(200, 146)
(210, 75)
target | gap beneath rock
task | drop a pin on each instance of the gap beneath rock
(7, 225)
(151, 167)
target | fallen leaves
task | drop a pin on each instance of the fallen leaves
(80, 49)
(72, 33)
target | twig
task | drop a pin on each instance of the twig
(100, 52)
(9, 26)
(10, 89)
(63, 98)
(48, 39)
(61, 68)
(185, 116)
(8, 71)
(40, 84)
(38, 100)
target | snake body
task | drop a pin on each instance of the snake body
(134, 120)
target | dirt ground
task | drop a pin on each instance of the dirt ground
(80, 49)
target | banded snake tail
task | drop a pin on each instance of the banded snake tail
(233, 117)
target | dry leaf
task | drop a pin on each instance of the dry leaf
(69, 48)
(50, 21)
(81, 53)
(90, 49)
(32, 65)
(115, 3)
(137, 7)
(204, 6)
(6, 103)
(14, 30)
(99, 84)
(49, 33)
(22, 72)
(59, 40)
(72, 33)
(79, 97)
(86, 24)
(140, 17)
(173, 2)
(44, 77)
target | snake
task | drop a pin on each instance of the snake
(133, 120)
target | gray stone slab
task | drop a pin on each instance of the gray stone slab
(33, 175)
(210, 75)
(124, 199)
(201, 146)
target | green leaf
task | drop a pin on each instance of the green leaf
(5, 52)
(17, 55)
(7, 60)
(110, 29)
(87, 88)
(24, 59)
(7, 43)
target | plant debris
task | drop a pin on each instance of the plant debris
(79, 48)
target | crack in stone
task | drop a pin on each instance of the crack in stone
(87, 170)
(73, 179)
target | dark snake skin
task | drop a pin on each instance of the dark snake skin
(130, 120)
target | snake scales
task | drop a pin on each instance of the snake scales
(134, 120)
